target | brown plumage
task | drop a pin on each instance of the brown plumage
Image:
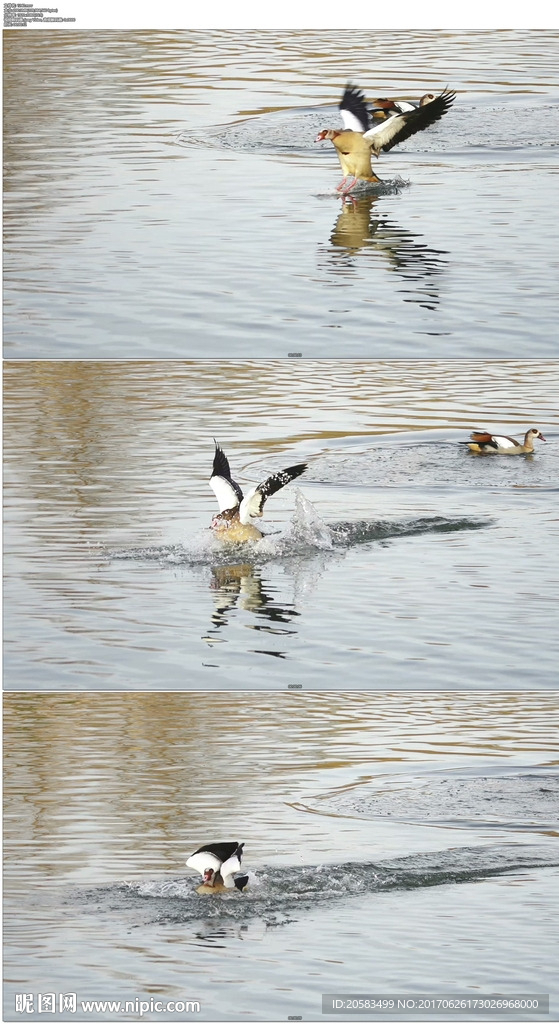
(213, 887)
(354, 154)
(367, 133)
(213, 883)
(230, 529)
(385, 107)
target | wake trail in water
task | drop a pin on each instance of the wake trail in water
(306, 535)
(275, 894)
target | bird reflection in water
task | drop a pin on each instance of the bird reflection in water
(241, 585)
(217, 933)
(358, 229)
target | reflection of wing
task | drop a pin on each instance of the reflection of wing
(219, 928)
(356, 229)
(242, 584)
(227, 492)
(253, 503)
(233, 582)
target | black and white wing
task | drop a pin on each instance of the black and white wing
(226, 490)
(353, 108)
(233, 862)
(253, 503)
(213, 855)
(400, 127)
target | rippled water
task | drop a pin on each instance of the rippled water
(165, 197)
(395, 841)
(400, 559)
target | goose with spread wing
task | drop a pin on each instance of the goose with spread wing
(365, 136)
(219, 864)
(233, 521)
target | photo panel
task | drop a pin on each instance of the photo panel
(394, 846)
(280, 528)
(389, 555)
(168, 194)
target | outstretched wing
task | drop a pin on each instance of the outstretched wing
(226, 490)
(400, 127)
(253, 503)
(353, 108)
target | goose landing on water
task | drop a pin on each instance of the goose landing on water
(498, 444)
(218, 863)
(232, 522)
(364, 135)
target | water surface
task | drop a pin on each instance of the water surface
(398, 559)
(165, 196)
(401, 842)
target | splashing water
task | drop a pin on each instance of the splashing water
(306, 530)
(306, 534)
(275, 894)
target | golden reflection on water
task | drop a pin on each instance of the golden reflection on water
(359, 230)
(109, 444)
(95, 779)
(88, 406)
(122, 240)
(120, 85)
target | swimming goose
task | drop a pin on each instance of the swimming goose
(387, 107)
(232, 522)
(358, 141)
(217, 863)
(500, 445)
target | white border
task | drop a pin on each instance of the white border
(292, 15)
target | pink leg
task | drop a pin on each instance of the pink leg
(349, 188)
(342, 183)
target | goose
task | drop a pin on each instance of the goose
(498, 444)
(358, 141)
(387, 107)
(232, 522)
(218, 864)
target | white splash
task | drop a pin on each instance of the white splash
(306, 530)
